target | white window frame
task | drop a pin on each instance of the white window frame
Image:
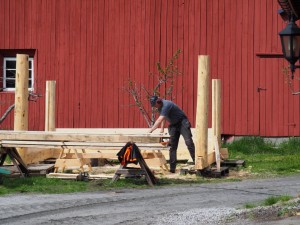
(5, 70)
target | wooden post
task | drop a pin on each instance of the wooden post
(202, 112)
(21, 97)
(216, 109)
(50, 106)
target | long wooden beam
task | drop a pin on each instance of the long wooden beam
(201, 148)
(78, 145)
(79, 137)
(21, 98)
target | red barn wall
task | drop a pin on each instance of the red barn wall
(92, 47)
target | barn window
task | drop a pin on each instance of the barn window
(9, 73)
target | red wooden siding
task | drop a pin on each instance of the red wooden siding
(92, 47)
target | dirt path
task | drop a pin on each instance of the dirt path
(195, 204)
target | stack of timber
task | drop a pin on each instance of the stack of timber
(76, 149)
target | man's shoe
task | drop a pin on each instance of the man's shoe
(172, 171)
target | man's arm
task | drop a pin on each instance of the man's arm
(159, 121)
(162, 127)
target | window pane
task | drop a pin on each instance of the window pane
(10, 64)
(10, 83)
(10, 74)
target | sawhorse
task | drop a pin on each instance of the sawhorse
(15, 158)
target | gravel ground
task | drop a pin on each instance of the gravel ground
(220, 203)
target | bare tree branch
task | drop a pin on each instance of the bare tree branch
(165, 76)
(32, 97)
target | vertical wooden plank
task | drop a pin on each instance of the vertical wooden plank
(83, 56)
(2, 22)
(145, 56)
(238, 72)
(50, 106)
(94, 64)
(12, 24)
(169, 27)
(250, 61)
(232, 71)
(132, 114)
(114, 39)
(217, 153)
(121, 82)
(185, 66)
(256, 71)
(269, 78)
(70, 113)
(148, 41)
(163, 40)
(21, 93)
(202, 111)
(35, 22)
(244, 73)
(20, 25)
(126, 60)
(21, 97)
(100, 64)
(64, 72)
(197, 51)
(139, 55)
(274, 65)
(88, 70)
(221, 43)
(157, 36)
(203, 21)
(191, 48)
(214, 45)
(6, 23)
(42, 42)
(216, 109)
(28, 23)
(262, 66)
(226, 90)
(106, 53)
(179, 96)
(76, 24)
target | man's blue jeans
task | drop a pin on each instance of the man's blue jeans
(182, 128)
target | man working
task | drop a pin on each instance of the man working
(178, 125)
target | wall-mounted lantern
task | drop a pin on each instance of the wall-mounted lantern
(290, 41)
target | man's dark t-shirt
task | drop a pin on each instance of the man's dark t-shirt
(172, 112)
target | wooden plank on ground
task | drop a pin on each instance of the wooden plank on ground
(74, 176)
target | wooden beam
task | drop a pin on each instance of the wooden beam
(216, 109)
(202, 112)
(21, 93)
(77, 137)
(217, 154)
(50, 106)
(21, 98)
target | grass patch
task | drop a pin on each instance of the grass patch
(59, 186)
(249, 205)
(263, 157)
(269, 201)
(40, 185)
(275, 199)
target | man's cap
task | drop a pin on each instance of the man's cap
(153, 100)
